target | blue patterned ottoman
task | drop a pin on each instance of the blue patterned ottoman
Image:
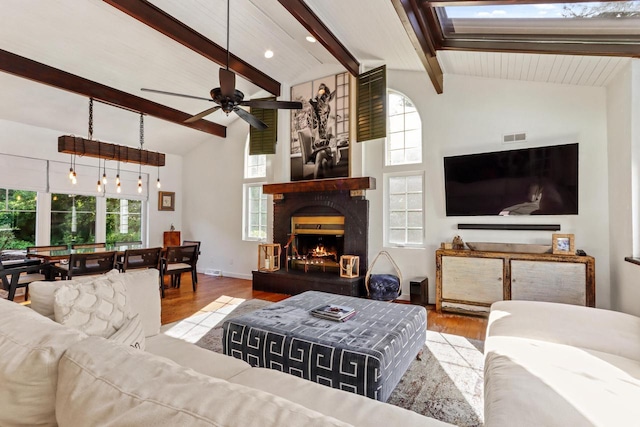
(367, 354)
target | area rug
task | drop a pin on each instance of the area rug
(446, 384)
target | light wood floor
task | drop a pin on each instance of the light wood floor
(183, 302)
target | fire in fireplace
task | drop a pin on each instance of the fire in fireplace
(316, 243)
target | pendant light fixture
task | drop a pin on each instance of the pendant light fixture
(99, 186)
(141, 145)
(104, 172)
(158, 182)
(118, 189)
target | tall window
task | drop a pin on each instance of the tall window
(17, 218)
(255, 220)
(124, 220)
(73, 219)
(404, 141)
(254, 166)
(405, 209)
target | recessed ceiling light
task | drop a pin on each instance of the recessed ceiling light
(311, 39)
(268, 54)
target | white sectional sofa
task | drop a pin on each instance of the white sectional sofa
(51, 374)
(549, 364)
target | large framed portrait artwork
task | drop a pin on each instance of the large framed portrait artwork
(320, 130)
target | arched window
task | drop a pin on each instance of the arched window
(404, 133)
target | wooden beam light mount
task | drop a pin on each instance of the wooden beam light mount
(79, 146)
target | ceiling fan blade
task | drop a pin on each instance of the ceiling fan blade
(251, 119)
(201, 115)
(176, 94)
(273, 105)
(227, 82)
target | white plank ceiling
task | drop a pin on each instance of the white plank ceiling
(91, 39)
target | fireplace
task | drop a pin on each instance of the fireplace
(316, 222)
(315, 243)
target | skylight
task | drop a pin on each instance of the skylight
(612, 26)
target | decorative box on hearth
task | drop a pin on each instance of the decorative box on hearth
(269, 257)
(349, 266)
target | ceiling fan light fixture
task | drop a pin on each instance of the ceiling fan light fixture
(268, 54)
(311, 39)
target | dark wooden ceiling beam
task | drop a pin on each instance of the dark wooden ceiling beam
(424, 42)
(41, 73)
(319, 30)
(166, 24)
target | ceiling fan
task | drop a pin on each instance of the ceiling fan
(231, 99)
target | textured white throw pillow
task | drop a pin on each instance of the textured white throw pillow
(131, 333)
(96, 308)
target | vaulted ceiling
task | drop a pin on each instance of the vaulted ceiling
(97, 41)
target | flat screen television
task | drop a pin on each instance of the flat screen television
(529, 181)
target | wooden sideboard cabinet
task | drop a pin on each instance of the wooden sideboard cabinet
(171, 238)
(470, 281)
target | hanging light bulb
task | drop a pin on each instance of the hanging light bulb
(158, 181)
(118, 190)
(99, 187)
(104, 172)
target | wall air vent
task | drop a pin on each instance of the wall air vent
(514, 137)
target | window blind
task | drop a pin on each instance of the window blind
(372, 104)
(264, 141)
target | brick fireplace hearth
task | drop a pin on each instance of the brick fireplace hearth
(319, 207)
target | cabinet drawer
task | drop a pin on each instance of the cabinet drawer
(472, 279)
(563, 282)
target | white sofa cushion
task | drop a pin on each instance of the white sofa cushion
(30, 348)
(352, 408)
(125, 387)
(191, 356)
(590, 328)
(131, 334)
(41, 293)
(98, 307)
(143, 296)
(530, 382)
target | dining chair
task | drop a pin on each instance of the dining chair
(195, 243)
(87, 264)
(178, 260)
(20, 277)
(141, 258)
(88, 245)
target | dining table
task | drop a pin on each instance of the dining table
(64, 254)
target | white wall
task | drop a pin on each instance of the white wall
(41, 143)
(623, 126)
(471, 116)
(213, 178)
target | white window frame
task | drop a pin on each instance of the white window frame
(252, 181)
(260, 159)
(387, 144)
(246, 209)
(387, 210)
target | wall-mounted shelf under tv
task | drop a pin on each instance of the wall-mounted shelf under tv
(529, 227)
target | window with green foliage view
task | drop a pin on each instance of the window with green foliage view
(124, 220)
(73, 219)
(17, 218)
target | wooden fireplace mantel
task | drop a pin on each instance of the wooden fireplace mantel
(335, 184)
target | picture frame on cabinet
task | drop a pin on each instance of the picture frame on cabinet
(563, 244)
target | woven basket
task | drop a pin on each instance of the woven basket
(383, 287)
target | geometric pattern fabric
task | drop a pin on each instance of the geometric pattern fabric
(368, 354)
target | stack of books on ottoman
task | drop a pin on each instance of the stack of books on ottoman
(338, 313)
